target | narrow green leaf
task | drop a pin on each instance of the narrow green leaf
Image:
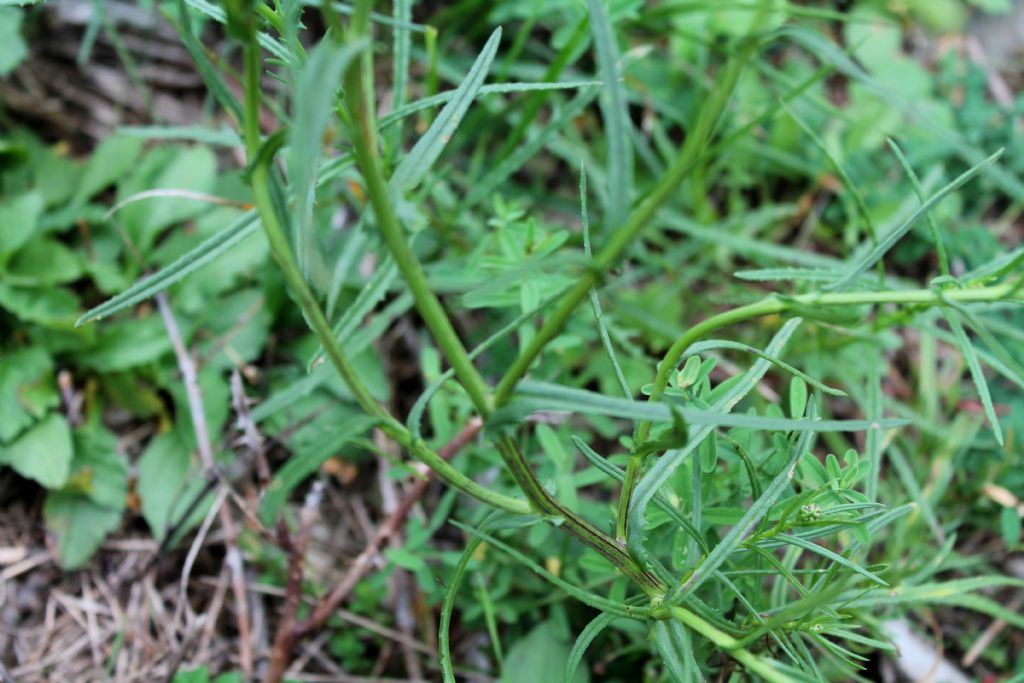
(298, 468)
(619, 475)
(586, 597)
(653, 480)
(919, 190)
(830, 555)
(890, 240)
(754, 514)
(583, 641)
(614, 109)
(534, 396)
(428, 148)
(400, 113)
(486, 186)
(668, 637)
(712, 344)
(595, 301)
(312, 104)
(200, 255)
(977, 374)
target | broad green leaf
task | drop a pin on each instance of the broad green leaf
(27, 390)
(615, 112)
(43, 262)
(162, 469)
(539, 657)
(193, 169)
(109, 162)
(12, 46)
(79, 525)
(19, 216)
(428, 148)
(43, 452)
(127, 343)
(98, 471)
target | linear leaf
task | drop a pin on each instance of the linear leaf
(761, 507)
(400, 113)
(893, 237)
(583, 641)
(532, 396)
(595, 301)
(312, 103)
(586, 597)
(977, 374)
(652, 481)
(668, 639)
(711, 344)
(485, 187)
(424, 153)
(614, 109)
(830, 555)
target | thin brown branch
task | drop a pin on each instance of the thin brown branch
(284, 642)
(233, 556)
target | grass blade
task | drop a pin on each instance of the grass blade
(534, 396)
(614, 109)
(919, 191)
(485, 187)
(425, 152)
(315, 87)
(400, 113)
(595, 301)
(583, 641)
(977, 374)
(893, 237)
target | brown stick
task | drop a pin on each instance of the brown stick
(289, 634)
(233, 556)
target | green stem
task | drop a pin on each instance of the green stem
(641, 216)
(774, 304)
(430, 309)
(726, 642)
(368, 161)
(281, 249)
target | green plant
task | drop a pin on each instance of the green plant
(720, 485)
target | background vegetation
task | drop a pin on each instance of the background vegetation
(705, 314)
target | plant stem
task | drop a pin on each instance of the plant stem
(433, 314)
(281, 249)
(726, 642)
(368, 161)
(774, 304)
(688, 156)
